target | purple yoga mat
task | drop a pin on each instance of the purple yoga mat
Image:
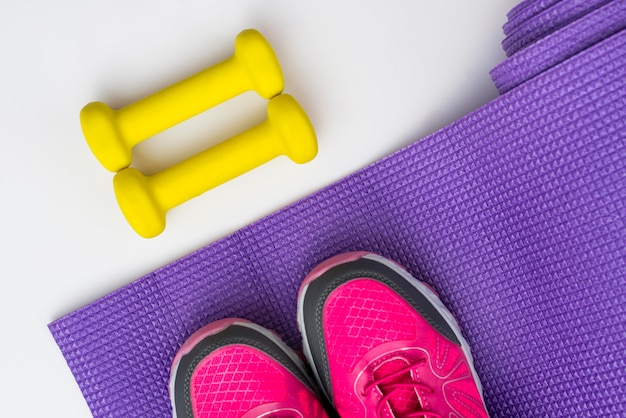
(525, 10)
(559, 15)
(515, 213)
(560, 45)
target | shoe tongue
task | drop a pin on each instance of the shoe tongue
(404, 399)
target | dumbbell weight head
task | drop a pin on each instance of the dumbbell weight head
(138, 203)
(103, 136)
(257, 59)
(295, 131)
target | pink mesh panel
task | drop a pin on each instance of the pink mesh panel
(362, 314)
(233, 380)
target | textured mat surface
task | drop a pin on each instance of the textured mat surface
(526, 9)
(546, 22)
(560, 45)
(516, 214)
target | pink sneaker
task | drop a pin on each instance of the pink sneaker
(235, 369)
(382, 344)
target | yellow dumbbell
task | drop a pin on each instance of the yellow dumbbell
(111, 134)
(144, 200)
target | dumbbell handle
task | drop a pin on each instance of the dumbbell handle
(214, 166)
(181, 101)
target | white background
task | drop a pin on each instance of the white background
(372, 76)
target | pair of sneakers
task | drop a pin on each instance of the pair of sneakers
(379, 344)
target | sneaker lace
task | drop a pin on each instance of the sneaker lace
(392, 388)
(283, 414)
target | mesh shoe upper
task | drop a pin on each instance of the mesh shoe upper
(383, 345)
(235, 369)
